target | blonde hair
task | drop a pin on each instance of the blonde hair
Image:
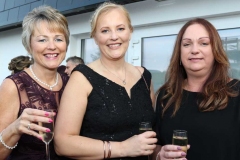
(56, 21)
(103, 8)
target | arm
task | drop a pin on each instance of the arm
(13, 126)
(8, 114)
(69, 143)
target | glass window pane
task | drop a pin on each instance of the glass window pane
(157, 52)
(231, 43)
(90, 50)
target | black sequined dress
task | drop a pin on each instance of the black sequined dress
(111, 115)
(32, 95)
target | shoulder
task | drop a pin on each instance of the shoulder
(8, 90)
(80, 67)
(234, 84)
(142, 70)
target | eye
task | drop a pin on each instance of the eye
(58, 40)
(204, 44)
(105, 31)
(42, 40)
(121, 29)
(186, 44)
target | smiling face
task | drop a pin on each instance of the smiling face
(48, 48)
(196, 51)
(112, 34)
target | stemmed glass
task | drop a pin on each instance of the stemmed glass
(143, 127)
(48, 136)
(180, 139)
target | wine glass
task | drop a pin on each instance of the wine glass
(48, 136)
(143, 127)
(180, 139)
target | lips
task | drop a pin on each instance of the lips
(195, 59)
(114, 46)
(50, 55)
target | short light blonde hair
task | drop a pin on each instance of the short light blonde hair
(56, 21)
(103, 8)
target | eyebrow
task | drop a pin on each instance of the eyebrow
(191, 39)
(116, 26)
(48, 36)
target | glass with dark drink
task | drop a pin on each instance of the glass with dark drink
(145, 126)
(180, 139)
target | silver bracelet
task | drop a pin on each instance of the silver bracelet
(4, 144)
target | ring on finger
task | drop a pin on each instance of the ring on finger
(28, 126)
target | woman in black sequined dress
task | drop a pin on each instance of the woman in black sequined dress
(107, 99)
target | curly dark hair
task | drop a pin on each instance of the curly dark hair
(18, 63)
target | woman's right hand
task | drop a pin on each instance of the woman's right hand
(171, 152)
(27, 123)
(139, 145)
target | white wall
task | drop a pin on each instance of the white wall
(149, 18)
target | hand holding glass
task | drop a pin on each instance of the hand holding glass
(180, 139)
(143, 127)
(47, 136)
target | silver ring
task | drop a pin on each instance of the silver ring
(28, 126)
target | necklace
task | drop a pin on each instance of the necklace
(51, 87)
(123, 80)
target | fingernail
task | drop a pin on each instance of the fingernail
(179, 148)
(48, 130)
(50, 120)
(183, 154)
(46, 114)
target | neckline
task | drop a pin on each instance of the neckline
(231, 82)
(42, 86)
(138, 81)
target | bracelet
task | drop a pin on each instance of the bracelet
(109, 150)
(4, 144)
(104, 149)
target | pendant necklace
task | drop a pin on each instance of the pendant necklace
(51, 87)
(123, 80)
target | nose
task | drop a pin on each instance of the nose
(51, 45)
(195, 49)
(114, 35)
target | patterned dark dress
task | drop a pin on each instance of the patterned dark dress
(111, 115)
(32, 95)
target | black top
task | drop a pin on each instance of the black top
(32, 95)
(212, 135)
(111, 115)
